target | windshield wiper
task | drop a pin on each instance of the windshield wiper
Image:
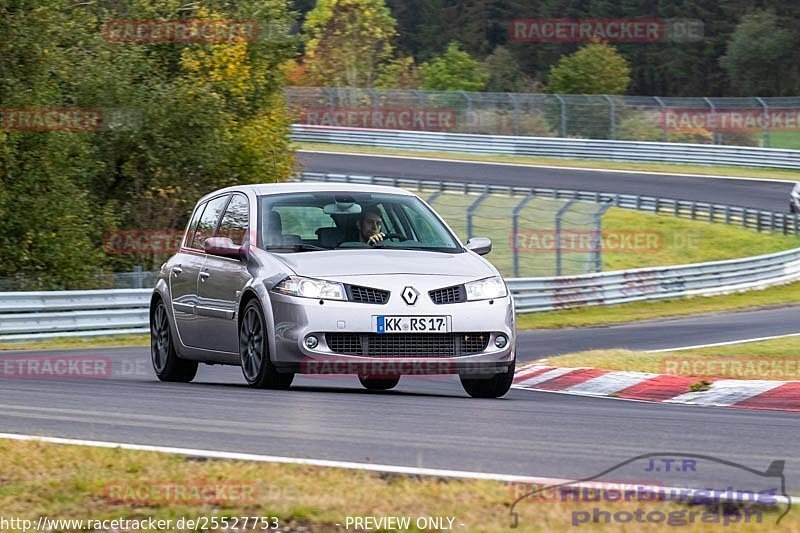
(296, 247)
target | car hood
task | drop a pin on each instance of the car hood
(338, 263)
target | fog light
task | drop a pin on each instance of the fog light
(311, 342)
(500, 341)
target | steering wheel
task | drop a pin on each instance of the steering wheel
(397, 236)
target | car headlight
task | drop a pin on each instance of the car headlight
(486, 289)
(311, 288)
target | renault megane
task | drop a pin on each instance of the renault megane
(319, 278)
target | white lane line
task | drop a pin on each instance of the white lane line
(727, 392)
(727, 343)
(545, 376)
(611, 382)
(549, 167)
(371, 467)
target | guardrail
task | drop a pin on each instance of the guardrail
(657, 283)
(49, 314)
(746, 217)
(649, 152)
(92, 313)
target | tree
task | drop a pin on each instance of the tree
(758, 58)
(454, 70)
(505, 74)
(198, 116)
(400, 73)
(597, 68)
(348, 41)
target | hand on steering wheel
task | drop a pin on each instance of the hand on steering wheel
(384, 236)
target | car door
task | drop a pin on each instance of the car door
(185, 270)
(221, 282)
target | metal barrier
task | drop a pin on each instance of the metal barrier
(91, 313)
(650, 152)
(625, 286)
(745, 217)
(49, 314)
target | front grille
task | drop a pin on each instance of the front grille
(367, 295)
(448, 295)
(407, 344)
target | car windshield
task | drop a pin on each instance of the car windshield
(350, 220)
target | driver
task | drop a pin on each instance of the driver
(369, 226)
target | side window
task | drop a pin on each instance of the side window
(208, 222)
(192, 229)
(303, 221)
(234, 222)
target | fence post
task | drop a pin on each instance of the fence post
(515, 228)
(763, 103)
(515, 102)
(663, 106)
(472, 209)
(559, 216)
(563, 114)
(468, 112)
(597, 241)
(714, 136)
(138, 277)
(612, 116)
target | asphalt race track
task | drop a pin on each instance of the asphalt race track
(769, 195)
(429, 421)
(426, 422)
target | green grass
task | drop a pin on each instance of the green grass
(728, 171)
(107, 341)
(664, 239)
(600, 315)
(785, 139)
(682, 241)
(776, 359)
(74, 482)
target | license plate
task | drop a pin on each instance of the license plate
(412, 324)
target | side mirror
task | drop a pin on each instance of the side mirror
(224, 247)
(480, 245)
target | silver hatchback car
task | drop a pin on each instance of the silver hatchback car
(319, 278)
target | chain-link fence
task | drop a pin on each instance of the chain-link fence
(138, 279)
(767, 122)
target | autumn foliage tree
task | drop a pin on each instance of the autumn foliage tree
(348, 42)
(196, 116)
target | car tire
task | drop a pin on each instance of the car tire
(166, 363)
(258, 370)
(489, 387)
(371, 383)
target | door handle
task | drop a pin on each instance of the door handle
(204, 275)
(176, 270)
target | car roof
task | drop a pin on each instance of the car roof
(262, 189)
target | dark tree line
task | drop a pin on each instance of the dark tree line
(749, 47)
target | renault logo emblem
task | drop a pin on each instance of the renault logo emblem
(410, 295)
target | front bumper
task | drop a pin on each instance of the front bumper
(296, 318)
